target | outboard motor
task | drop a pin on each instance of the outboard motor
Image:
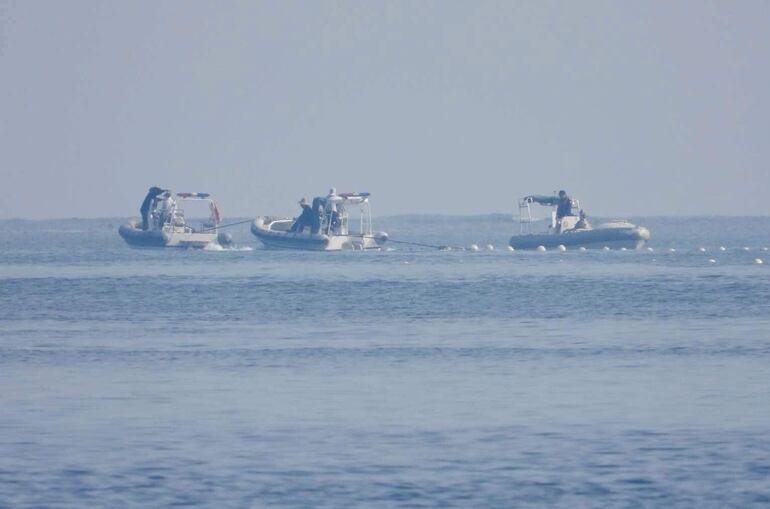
(225, 239)
(380, 237)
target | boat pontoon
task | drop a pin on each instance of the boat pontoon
(168, 226)
(332, 230)
(574, 230)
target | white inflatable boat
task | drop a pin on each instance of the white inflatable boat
(325, 226)
(574, 230)
(167, 226)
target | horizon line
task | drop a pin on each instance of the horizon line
(421, 214)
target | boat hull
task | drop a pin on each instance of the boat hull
(614, 238)
(135, 236)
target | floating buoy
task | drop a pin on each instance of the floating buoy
(702, 249)
(490, 247)
(758, 261)
(711, 260)
(541, 249)
(562, 248)
(722, 248)
(510, 248)
(581, 248)
(473, 247)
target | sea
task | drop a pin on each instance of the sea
(408, 377)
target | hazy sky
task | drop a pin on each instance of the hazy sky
(451, 107)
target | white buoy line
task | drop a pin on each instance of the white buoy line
(561, 248)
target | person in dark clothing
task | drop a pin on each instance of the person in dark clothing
(304, 219)
(147, 203)
(315, 217)
(564, 206)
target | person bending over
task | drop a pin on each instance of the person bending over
(304, 220)
(153, 193)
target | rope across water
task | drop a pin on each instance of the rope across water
(419, 244)
(225, 226)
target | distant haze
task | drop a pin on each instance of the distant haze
(636, 108)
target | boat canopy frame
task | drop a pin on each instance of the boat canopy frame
(525, 210)
(177, 218)
(339, 203)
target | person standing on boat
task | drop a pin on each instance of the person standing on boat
(153, 193)
(304, 218)
(330, 208)
(335, 221)
(167, 207)
(315, 216)
(564, 205)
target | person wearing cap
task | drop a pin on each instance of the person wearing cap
(304, 219)
(153, 193)
(564, 206)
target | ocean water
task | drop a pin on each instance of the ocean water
(404, 378)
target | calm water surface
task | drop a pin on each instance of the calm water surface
(405, 378)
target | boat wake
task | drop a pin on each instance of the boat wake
(218, 247)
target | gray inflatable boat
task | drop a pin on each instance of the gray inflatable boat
(615, 235)
(574, 230)
(332, 232)
(167, 226)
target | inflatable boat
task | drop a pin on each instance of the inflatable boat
(323, 227)
(574, 230)
(167, 226)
